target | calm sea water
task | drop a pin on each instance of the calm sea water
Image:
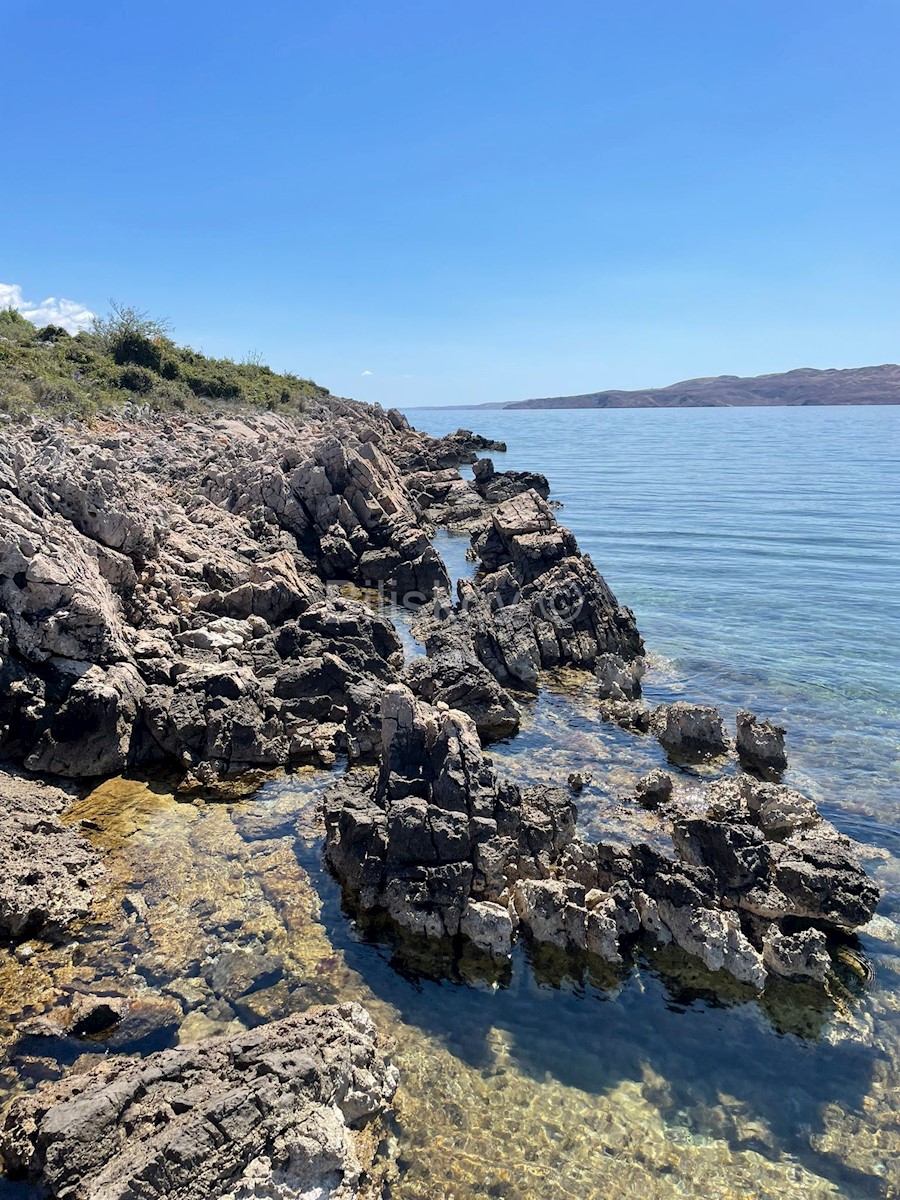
(760, 550)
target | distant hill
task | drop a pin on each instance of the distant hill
(858, 385)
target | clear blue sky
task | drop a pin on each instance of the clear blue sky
(470, 201)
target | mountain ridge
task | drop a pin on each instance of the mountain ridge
(802, 387)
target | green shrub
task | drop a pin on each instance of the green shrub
(137, 379)
(52, 333)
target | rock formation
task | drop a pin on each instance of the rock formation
(760, 745)
(47, 870)
(169, 588)
(280, 1110)
(446, 849)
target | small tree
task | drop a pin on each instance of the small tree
(132, 336)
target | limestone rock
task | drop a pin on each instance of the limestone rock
(687, 731)
(463, 683)
(252, 1114)
(47, 870)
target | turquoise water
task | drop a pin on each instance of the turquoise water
(760, 551)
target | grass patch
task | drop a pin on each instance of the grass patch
(130, 357)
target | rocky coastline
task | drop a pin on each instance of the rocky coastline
(190, 595)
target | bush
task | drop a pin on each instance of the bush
(137, 379)
(52, 333)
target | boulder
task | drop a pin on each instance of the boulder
(689, 731)
(654, 789)
(760, 745)
(619, 679)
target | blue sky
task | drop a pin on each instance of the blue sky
(440, 202)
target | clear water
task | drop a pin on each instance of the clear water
(760, 553)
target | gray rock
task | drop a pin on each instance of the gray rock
(688, 731)
(802, 955)
(47, 870)
(258, 1113)
(654, 789)
(618, 679)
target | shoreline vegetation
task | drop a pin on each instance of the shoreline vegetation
(186, 548)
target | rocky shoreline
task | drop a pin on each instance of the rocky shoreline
(175, 594)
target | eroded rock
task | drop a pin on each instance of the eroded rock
(258, 1113)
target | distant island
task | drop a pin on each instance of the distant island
(858, 385)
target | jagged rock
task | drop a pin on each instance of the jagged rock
(760, 744)
(802, 955)
(736, 854)
(96, 729)
(260, 1113)
(488, 926)
(433, 830)
(654, 789)
(687, 731)
(498, 486)
(47, 870)
(778, 810)
(53, 592)
(815, 876)
(464, 683)
(618, 679)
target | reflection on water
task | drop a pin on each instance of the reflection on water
(552, 1078)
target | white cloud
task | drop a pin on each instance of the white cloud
(367, 372)
(68, 313)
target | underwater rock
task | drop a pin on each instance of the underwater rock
(688, 731)
(760, 744)
(47, 869)
(256, 1113)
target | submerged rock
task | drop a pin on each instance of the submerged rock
(47, 869)
(262, 1113)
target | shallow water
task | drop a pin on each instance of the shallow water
(552, 1079)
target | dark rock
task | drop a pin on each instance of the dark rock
(760, 744)
(463, 683)
(654, 789)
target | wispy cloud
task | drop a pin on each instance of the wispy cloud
(367, 372)
(68, 313)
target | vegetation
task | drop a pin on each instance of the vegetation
(129, 356)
